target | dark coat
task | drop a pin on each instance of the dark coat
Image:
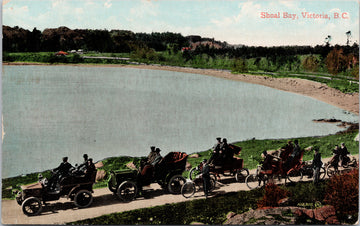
(206, 171)
(64, 168)
(317, 160)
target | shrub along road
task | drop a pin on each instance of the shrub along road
(63, 210)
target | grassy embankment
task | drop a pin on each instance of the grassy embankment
(291, 67)
(211, 211)
(251, 152)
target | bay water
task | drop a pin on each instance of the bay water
(54, 111)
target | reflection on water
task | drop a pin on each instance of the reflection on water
(55, 111)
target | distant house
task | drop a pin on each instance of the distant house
(61, 53)
(183, 49)
(211, 44)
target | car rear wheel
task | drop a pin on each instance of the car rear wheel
(83, 199)
(127, 191)
(241, 175)
(175, 184)
(295, 176)
(31, 206)
(112, 186)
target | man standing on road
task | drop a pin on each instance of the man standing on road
(317, 163)
(206, 177)
(343, 154)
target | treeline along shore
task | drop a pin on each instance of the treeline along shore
(174, 49)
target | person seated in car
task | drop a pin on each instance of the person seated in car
(343, 154)
(149, 159)
(226, 152)
(60, 172)
(270, 161)
(82, 166)
(334, 161)
(148, 172)
(90, 168)
(215, 156)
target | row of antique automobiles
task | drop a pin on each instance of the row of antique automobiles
(126, 184)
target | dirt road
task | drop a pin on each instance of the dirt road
(105, 202)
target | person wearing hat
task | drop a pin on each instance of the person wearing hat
(82, 166)
(225, 151)
(149, 159)
(90, 168)
(343, 154)
(295, 153)
(334, 161)
(215, 156)
(60, 172)
(152, 155)
(148, 172)
(316, 164)
(205, 173)
(157, 157)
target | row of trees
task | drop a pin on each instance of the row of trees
(120, 41)
(146, 47)
(17, 39)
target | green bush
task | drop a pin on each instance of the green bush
(311, 63)
(307, 194)
(239, 66)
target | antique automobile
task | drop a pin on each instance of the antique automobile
(346, 164)
(74, 187)
(277, 169)
(167, 173)
(232, 167)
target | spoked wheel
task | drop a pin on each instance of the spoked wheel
(253, 181)
(175, 184)
(188, 189)
(112, 186)
(214, 177)
(31, 206)
(127, 191)
(212, 184)
(295, 176)
(241, 175)
(331, 171)
(193, 173)
(322, 173)
(83, 199)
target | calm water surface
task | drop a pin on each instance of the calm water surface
(55, 111)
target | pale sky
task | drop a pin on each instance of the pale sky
(233, 21)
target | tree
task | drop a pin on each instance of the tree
(327, 40)
(336, 61)
(348, 36)
(239, 65)
(310, 63)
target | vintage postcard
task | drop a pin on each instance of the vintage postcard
(180, 112)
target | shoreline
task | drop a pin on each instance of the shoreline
(316, 90)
